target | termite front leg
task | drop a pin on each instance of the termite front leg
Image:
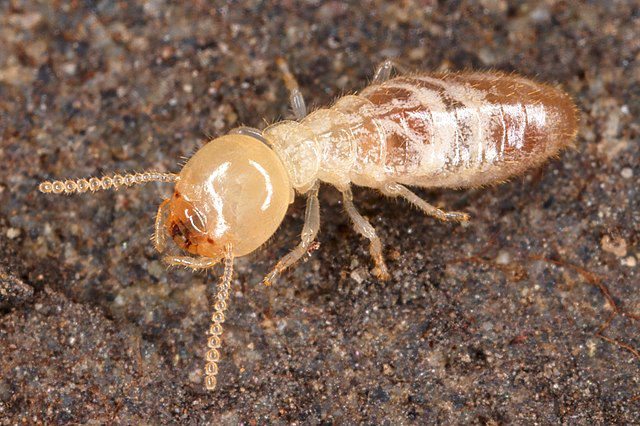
(295, 96)
(364, 228)
(309, 232)
(394, 190)
(194, 263)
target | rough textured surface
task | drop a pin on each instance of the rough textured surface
(495, 322)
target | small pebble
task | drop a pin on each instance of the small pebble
(356, 275)
(156, 269)
(69, 68)
(617, 246)
(503, 258)
(119, 300)
(627, 173)
(13, 233)
(195, 376)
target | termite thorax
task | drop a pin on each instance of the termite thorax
(298, 149)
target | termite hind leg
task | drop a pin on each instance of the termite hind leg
(296, 99)
(309, 232)
(364, 228)
(394, 190)
(383, 71)
(159, 236)
(194, 263)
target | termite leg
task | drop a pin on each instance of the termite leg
(309, 231)
(364, 228)
(297, 104)
(159, 236)
(383, 71)
(395, 190)
(295, 96)
(191, 262)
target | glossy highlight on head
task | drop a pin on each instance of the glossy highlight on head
(234, 190)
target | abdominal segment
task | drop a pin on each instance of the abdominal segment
(455, 130)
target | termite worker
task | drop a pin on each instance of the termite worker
(451, 130)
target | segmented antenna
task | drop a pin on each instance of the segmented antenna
(217, 319)
(94, 184)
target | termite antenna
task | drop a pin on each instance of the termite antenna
(217, 319)
(93, 184)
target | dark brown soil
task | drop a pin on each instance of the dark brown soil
(498, 322)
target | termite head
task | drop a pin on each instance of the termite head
(234, 190)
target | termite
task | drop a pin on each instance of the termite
(447, 130)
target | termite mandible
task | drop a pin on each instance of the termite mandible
(446, 130)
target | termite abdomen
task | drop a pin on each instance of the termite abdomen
(459, 130)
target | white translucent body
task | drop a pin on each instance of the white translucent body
(453, 133)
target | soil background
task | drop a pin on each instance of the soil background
(524, 316)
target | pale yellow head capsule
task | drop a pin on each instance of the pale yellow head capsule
(234, 190)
